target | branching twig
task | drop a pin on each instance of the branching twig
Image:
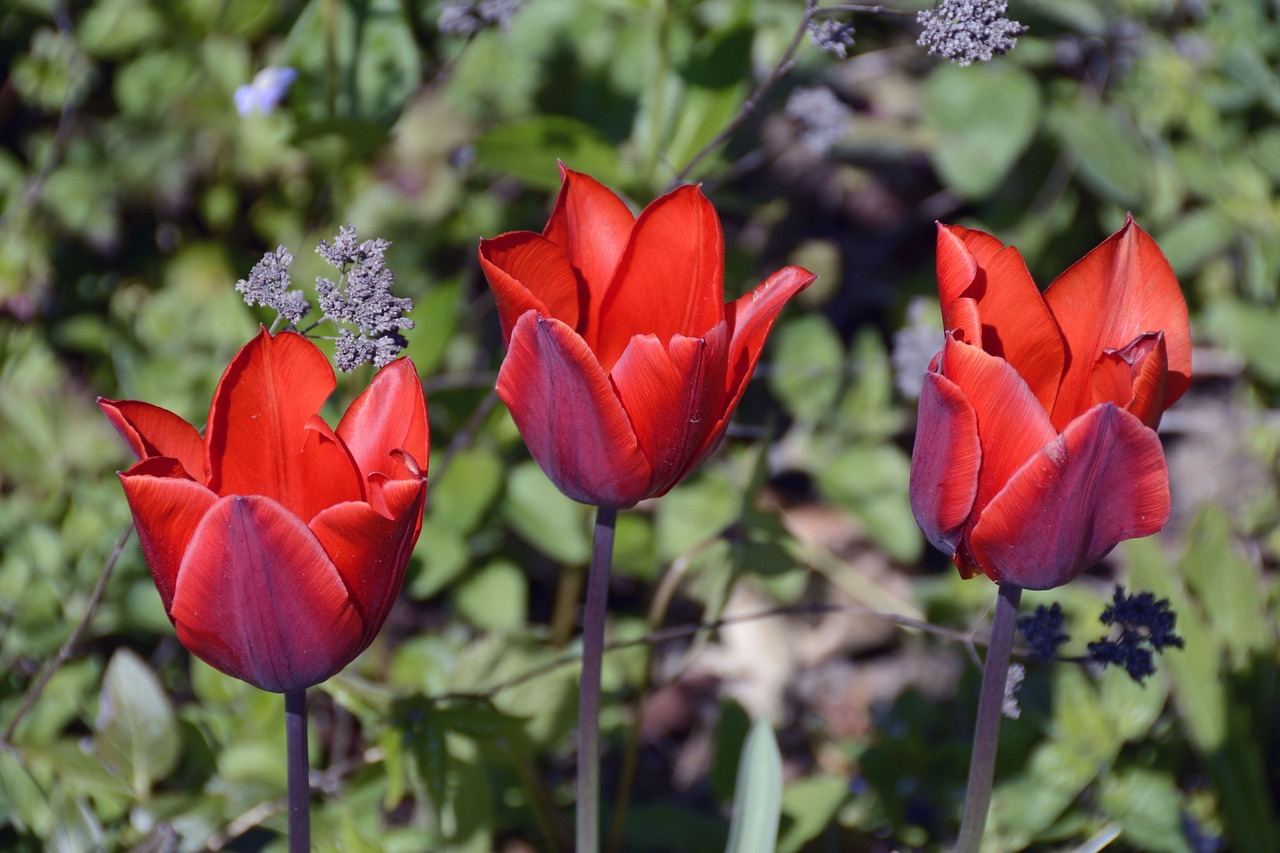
(785, 64)
(64, 653)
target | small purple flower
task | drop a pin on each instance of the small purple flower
(268, 88)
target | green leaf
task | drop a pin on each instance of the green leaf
(355, 60)
(468, 487)
(1196, 237)
(22, 797)
(495, 598)
(541, 515)
(694, 512)
(112, 28)
(1113, 158)
(985, 117)
(1148, 807)
(527, 149)
(810, 805)
(757, 799)
(1249, 330)
(431, 755)
(480, 722)
(807, 361)
(1228, 584)
(871, 481)
(136, 734)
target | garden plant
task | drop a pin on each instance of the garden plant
(639, 425)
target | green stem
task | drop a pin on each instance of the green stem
(295, 733)
(986, 733)
(594, 612)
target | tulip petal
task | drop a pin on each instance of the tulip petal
(1102, 481)
(670, 279)
(570, 417)
(945, 462)
(152, 431)
(528, 271)
(591, 225)
(167, 508)
(963, 323)
(326, 470)
(674, 397)
(259, 417)
(1016, 324)
(389, 415)
(258, 598)
(1134, 378)
(1012, 425)
(370, 550)
(749, 319)
(1120, 290)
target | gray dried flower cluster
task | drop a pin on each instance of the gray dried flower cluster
(832, 36)
(968, 31)
(362, 298)
(822, 118)
(914, 346)
(468, 17)
(269, 285)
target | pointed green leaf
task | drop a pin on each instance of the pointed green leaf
(757, 800)
(136, 733)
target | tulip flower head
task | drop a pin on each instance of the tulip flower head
(277, 544)
(1036, 450)
(623, 362)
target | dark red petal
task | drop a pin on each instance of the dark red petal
(371, 550)
(749, 319)
(674, 397)
(258, 598)
(1016, 324)
(591, 225)
(1102, 481)
(528, 271)
(1120, 290)
(259, 417)
(167, 508)
(389, 415)
(1134, 377)
(1012, 425)
(670, 279)
(152, 431)
(570, 417)
(945, 462)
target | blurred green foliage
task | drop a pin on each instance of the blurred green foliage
(134, 195)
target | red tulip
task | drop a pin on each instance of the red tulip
(623, 362)
(1036, 450)
(277, 544)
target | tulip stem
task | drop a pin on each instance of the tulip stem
(986, 733)
(295, 733)
(593, 617)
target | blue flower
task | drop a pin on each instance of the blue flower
(268, 88)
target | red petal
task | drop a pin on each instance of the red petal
(1016, 324)
(258, 421)
(591, 225)
(528, 271)
(167, 507)
(258, 598)
(945, 462)
(674, 397)
(371, 550)
(1011, 423)
(670, 280)
(389, 415)
(1134, 377)
(963, 323)
(1102, 481)
(328, 474)
(570, 417)
(749, 319)
(152, 431)
(1122, 289)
